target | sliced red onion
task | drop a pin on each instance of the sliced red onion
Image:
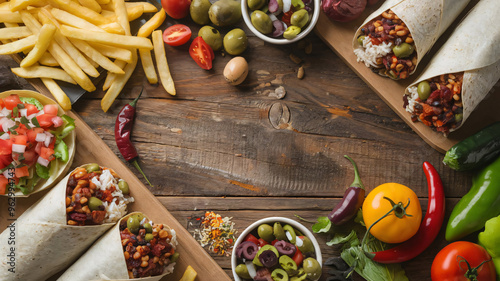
(57, 121)
(278, 28)
(273, 6)
(23, 111)
(251, 269)
(41, 112)
(7, 124)
(5, 112)
(40, 137)
(47, 141)
(287, 5)
(7, 174)
(38, 148)
(43, 161)
(5, 136)
(18, 148)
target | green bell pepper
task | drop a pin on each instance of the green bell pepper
(489, 240)
(480, 204)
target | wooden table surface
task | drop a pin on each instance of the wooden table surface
(244, 153)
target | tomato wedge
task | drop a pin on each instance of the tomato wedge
(201, 53)
(176, 35)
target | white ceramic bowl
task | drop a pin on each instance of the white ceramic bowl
(271, 221)
(280, 41)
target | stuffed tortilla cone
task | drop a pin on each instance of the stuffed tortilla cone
(48, 236)
(393, 40)
(461, 73)
(37, 141)
(135, 248)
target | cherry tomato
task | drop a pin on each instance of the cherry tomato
(453, 261)
(176, 9)
(201, 53)
(176, 35)
(11, 101)
(298, 257)
(396, 227)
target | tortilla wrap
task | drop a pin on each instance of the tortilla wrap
(426, 20)
(58, 168)
(44, 243)
(105, 260)
(473, 48)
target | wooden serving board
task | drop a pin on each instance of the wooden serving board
(91, 149)
(339, 37)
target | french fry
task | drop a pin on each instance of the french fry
(113, 27)
(18, 5)
(153, 23)
(117, 86)
(8, 16)
(103, 2)
(113, 52)
(110, 78)
(124, 41)
(148, 7)
(96, 56)
(132, 13)
(19, 45)
(72, 20)
(48, 60)
(91, 4)
(14, 32)
(122, 15)
(43, 72)
(57, 93)
(161, 62)
(80, 11)
(42, 44)
(148, 66)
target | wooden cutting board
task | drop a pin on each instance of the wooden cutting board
(339, 37)
(91, 149)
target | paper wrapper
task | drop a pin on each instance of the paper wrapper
(104, 261)
(44, 243)
(474, 48)
(61, 168)
(426, 20)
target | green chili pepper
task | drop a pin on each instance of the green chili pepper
(480, 204)
(489, 240)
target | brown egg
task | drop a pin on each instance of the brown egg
(236, 70)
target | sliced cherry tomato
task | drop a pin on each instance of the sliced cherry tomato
(3, 184)
(251, 238)
(50, 109)
(31, 109)
(201, 53)
(176, 9)
(453, 261)
(22, 172)
(176, 35)
(298, 257)
(11, 101)
(45, 120)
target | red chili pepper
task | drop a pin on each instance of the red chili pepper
(123, 132)
(429, 228)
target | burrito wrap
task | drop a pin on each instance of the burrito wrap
(44, 243)
(426, 20)
(473, 48)
(104, 261)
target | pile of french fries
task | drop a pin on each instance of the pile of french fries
(67, 40)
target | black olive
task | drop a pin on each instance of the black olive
(268, 258)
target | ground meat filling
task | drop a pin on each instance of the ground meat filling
(148, 250)
(388, 46)
(442, 109)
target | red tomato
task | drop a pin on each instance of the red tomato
(45, 120)
(5, 147)
(176, 35)
(19, 139)
(50, 109)
(31, 109)
(32, 134)
(298, 257)
(5, 160)
(201, 53)
(451, 263)
(3, 184)
(22, 172)
(21, 130)
(176, 9)
(251, 238)
(46, 153)
(30, 157)
(262, 242)
(11, 101)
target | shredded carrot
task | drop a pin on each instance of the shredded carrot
(215, 233)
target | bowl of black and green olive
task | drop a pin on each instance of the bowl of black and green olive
(276, 248)
(280, 21)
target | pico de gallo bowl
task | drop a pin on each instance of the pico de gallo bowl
(37, 142)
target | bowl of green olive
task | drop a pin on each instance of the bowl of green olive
(276, 248)
(280, 21)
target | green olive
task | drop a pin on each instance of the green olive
(278, 231)
(265, 232)
(300, 18)
(174, 257)
(403, 50)
(290, 230)
(361, 39)
(147, 226)
(94, 203)
(299, 276)
(94, 167)
(312, 268)
(424, 90)
(225, 12)
(235, 42)
(256, 4)
(199, 11)
(262, 22)
(148, 237)
(291, 32)
(133, 224)
(307, 245)
(298, 4)
(279, 275)
(242, 271)
(123, 186)
(211, 36)
(288, 264)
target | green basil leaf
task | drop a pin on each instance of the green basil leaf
(350, 238)
(323, 225)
